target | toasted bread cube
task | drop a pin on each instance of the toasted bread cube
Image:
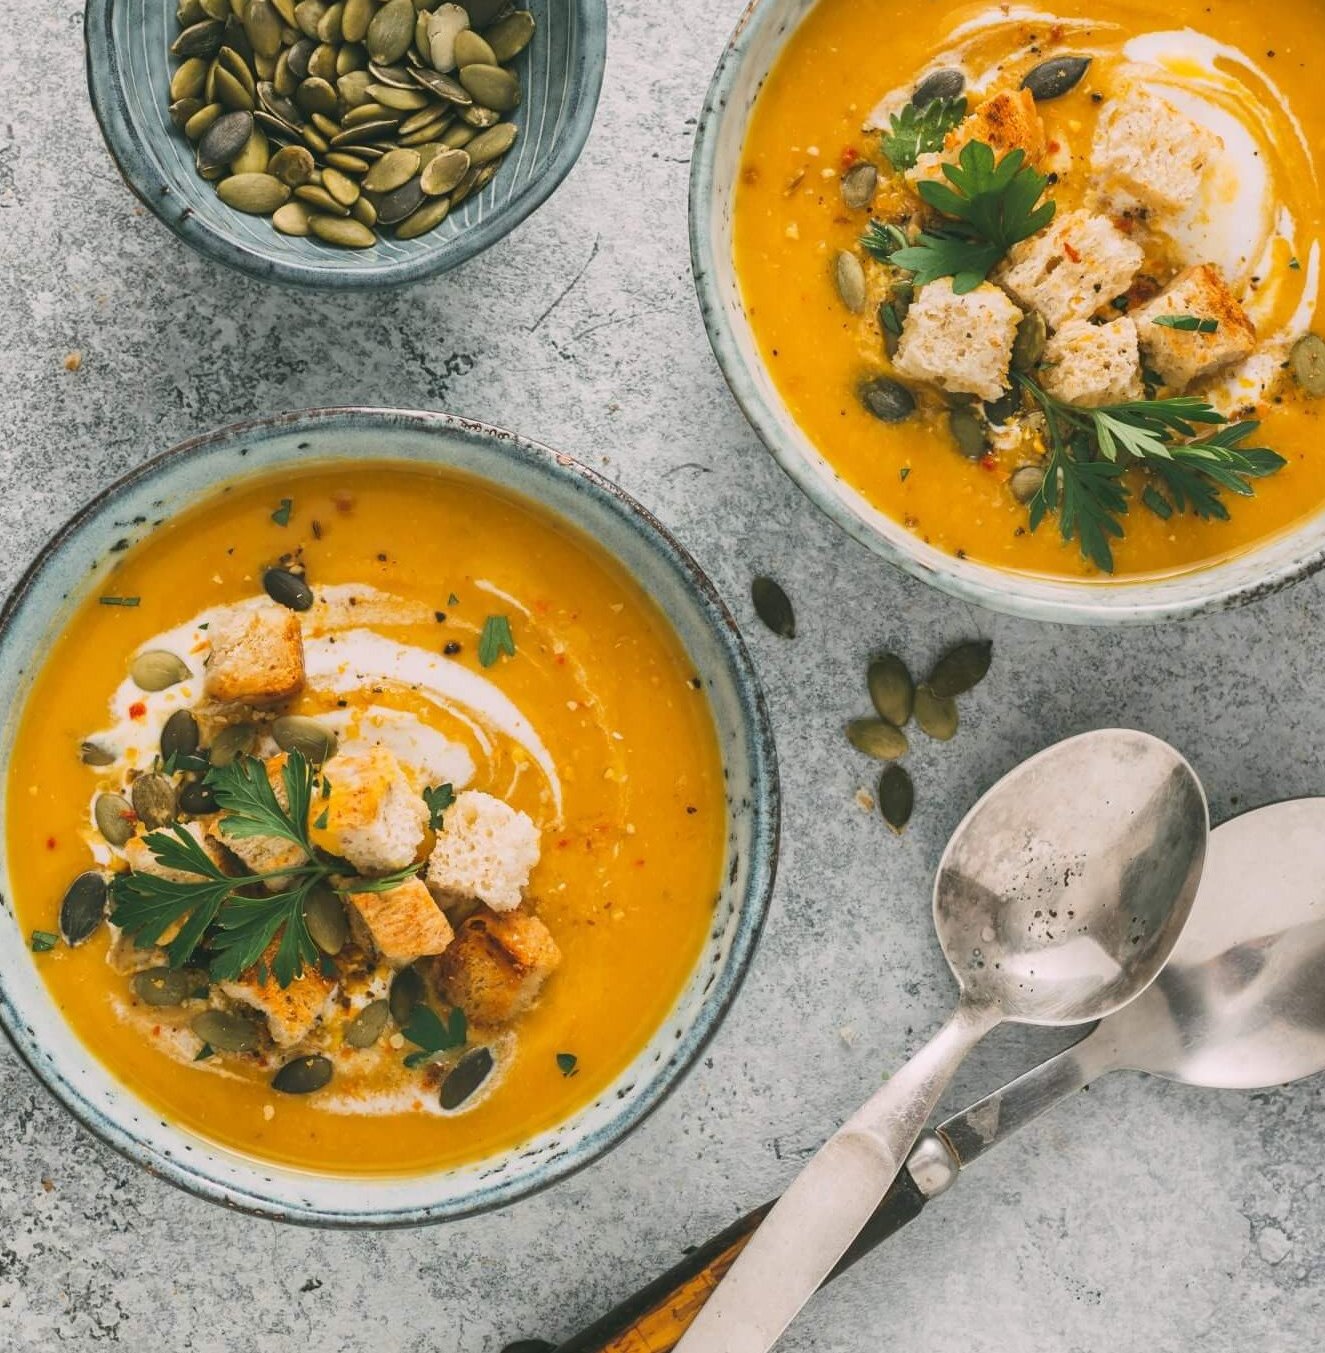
(497, 965)
(1184, 356)
(1150, 155)
(257, 656)
(292, 1012)
(267, 854)
(142, 861)
(962, 344)
(1094, 364)
(1004, 122)
(374, 819)
(402, 923)
(1079, 263)
(485, 850)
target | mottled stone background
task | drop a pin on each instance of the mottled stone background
(1140, 1216)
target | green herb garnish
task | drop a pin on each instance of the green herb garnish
(282, 514)
(431, 1034)
(1188, 324)
(1091, 448)
(495, 640)
(43, 941)
(119, 601)
(438, 799)
(990, 205)
(919, 131)
(204, 1053)
(567, 1063)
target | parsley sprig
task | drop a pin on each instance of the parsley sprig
(233, 915)
(1090, 449)
(918, 131)
(989, 205)
(431, 1034)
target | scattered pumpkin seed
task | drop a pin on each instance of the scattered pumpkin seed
(114, 816)
(366, 1027)
(858, 185)
(393, 169)
(297, 732)
(395, 206)
(153, 798)
(1028, 347)
(969, 433)
(92, 753)
(508, 37)
(961, 668)
(343, 231)
(445, 24)
(256, 194)
(443, 171)
(490, 144)
(406, 995)
(197, 799)
(491, 86)
(1052, 79)
(432, 213)
(317, 199)
(157, 670)
(304, 1075)
(465, 1078)
(83, 908)
(179, 736)
(324, 915)
(166, 986)
(234, 740)
(224, 139)
(472, 50)
(773, 607)
(226, 1031)
(287, 588)
(1026, 482)
(877, 738)
(1307, 362)
(892, 691)
(947, 83)
(292, 219)
(888, 400)
(897, 797)
(935, 714)
(849, 279)
(390, 31)
(293, 165)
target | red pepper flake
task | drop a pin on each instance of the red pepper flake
(50, 843)
(1070, 252)
(639, 864)
(989, 462)
(1054, 147)
(849, 156)
(343, 502)
(750, 175)
(137, 710)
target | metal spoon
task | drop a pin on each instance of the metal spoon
(1240, 1005)
(1058, 900)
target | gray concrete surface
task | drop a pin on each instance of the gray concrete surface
(1140, 1216)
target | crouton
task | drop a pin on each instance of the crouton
(126, 958)
(257, 656)
(496, 968)
(292, 1012)
(402, 923)
(266, 854)
(1005, 122)
(142, 861)
(485, 850)
(1184, 356)
(1079, 263)
(1093, 364)
(374, 819)
(1148, 154)
(962, 344)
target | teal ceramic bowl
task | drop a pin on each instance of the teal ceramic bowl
(128, 72)
(73, 564)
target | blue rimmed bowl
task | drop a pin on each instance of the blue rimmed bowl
(128, 72)
(43, 602)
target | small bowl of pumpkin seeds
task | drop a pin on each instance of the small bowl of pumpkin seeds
(344, 143)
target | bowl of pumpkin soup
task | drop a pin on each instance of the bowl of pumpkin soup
(390, 812)
(1028, 300)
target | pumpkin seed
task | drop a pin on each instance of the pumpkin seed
(395, 206)
(226, 1031)
(199, 124)
(773, 607)
(231, 91)
(475, 181)
(318, 196)
(179, 736)
(254, 157)
(297, 732)
(443, 172)
(293, 165)
(961, 668)
(1307, 362)
(1003, 408)
(858, 185)
(465, 1078)
(849, 279)
(488, 145)
(491, 86)
(355, 18)
(153, 799)
(393, 169)
(166, 986)
(188, 80)
(184, 110)
(342, 188)
(877, 738)
(199, 39)
(347, 163)
(322, 64)
(891, 688)
(1026, 482)
(1028, 348)
(157, 669)
(458, 135)
(446, 23)
(256, 194)
(287, 588)
(366, 1027)
(428, 216)
(364, 212)
(472, 50)
(328, 26)
(324, 915)
(236, 739)
(478, 116)
(390, 31)
(406, 995)
(114, 817)
(969, 433)
(897, 797)
(484, 12)
(304, 1075)
(508, 37)
(448, 90)
(92, 753)
(83, 908)
(1053, 79)
(198, 799)
(353, 88)
(316, 95)
(342, 230)
(888, 400)
(262, 27)
(400, 100)
(936, 714)
(947, 83)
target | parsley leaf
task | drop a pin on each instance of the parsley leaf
(248, 926)
(43, 941)
(1190, 324)
(990, 205)
(918, 131)
(495, 640)
(426, 1029)
(282, 514)
(438, 799)
(882, 240)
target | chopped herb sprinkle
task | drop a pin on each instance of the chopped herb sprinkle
(119, 601)
(1189, 324)
(495, 640)
(282, 514)
(43, 941)
(567, 1063)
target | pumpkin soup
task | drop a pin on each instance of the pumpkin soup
(384, 828)
(1041, 285)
